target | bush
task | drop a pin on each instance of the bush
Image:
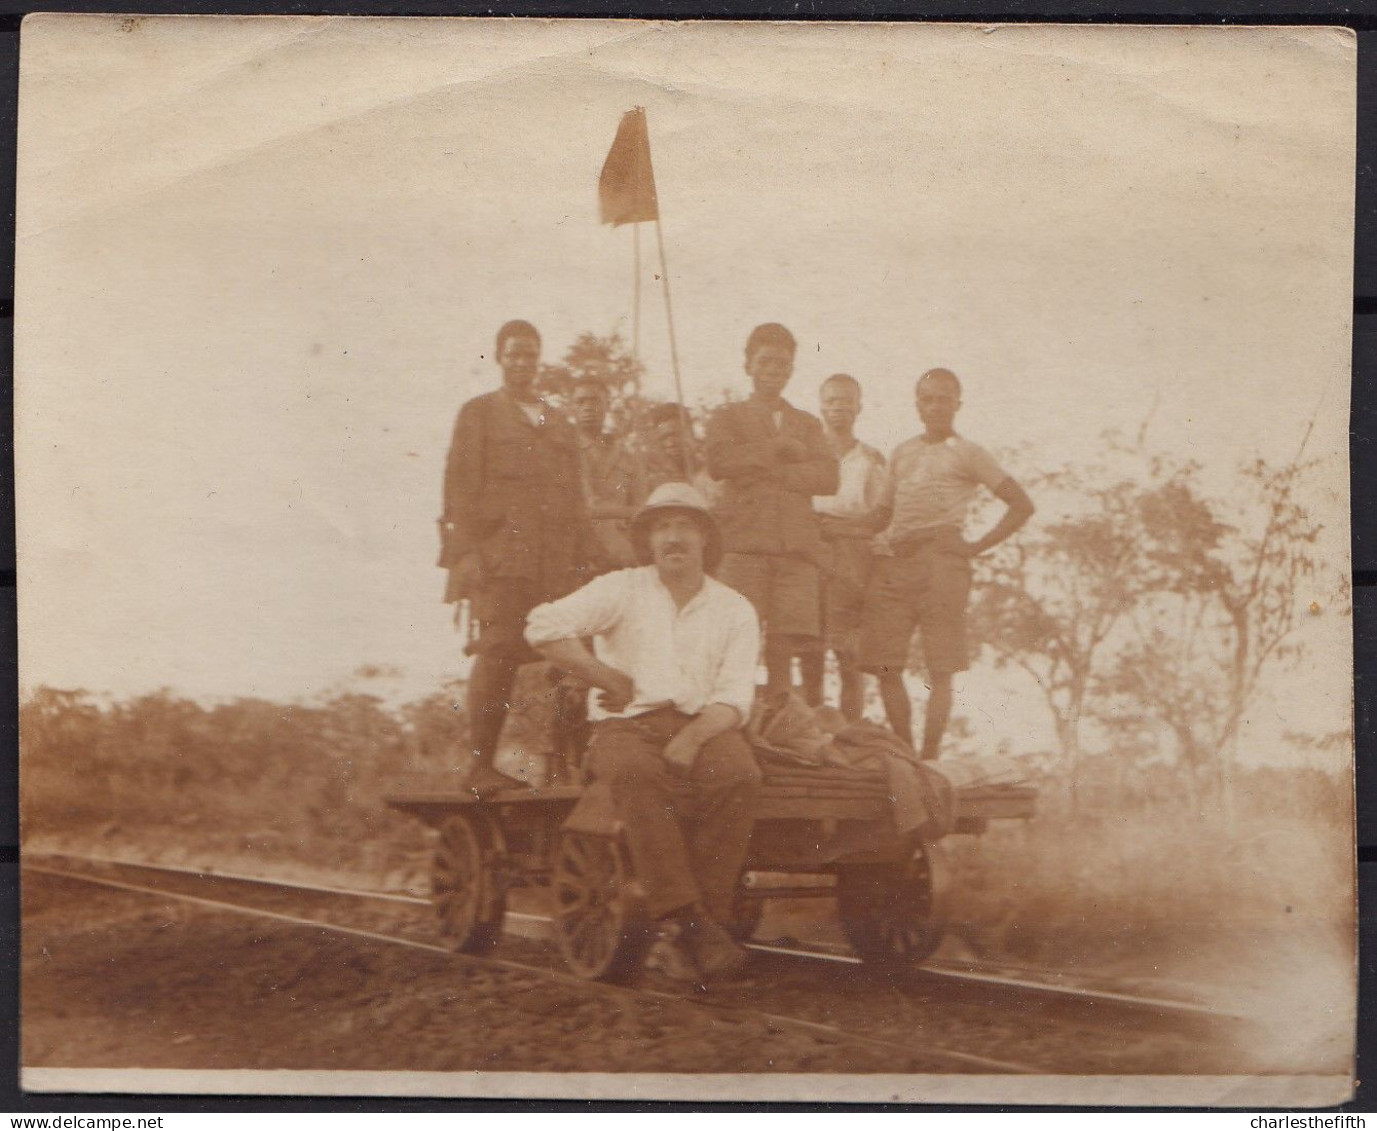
(282, 781)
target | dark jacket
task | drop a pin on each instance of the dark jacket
(513, 494)
(766, 503)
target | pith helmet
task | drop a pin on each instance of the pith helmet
(677, 497)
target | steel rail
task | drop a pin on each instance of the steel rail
(270, 881)
(1083, 993)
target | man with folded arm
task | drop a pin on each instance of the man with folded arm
(772, 460)
(674, 656)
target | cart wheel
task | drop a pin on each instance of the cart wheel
(747, 911)
(599, 921)
(466, 895)
(893, 913)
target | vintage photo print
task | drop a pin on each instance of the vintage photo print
(620, 559)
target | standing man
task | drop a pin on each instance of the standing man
(514, 532)
(671, 450)
(923, 568)
(772, 459)
(675, 658)
(848, 523)
(613, 480)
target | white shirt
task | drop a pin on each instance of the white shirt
(861, 474)
(692, 657)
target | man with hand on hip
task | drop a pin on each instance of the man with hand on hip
(922, 575)
(674, 658)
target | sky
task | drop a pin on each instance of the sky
(261, 262)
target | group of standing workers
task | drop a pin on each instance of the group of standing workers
(835, 547)
(650, 580)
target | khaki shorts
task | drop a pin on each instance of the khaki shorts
(784, 590)
(927, 590)
(843, 593)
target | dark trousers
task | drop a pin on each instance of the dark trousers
(688, 833)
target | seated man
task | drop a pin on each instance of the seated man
(675, 661)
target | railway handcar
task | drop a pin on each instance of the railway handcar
(824, 833)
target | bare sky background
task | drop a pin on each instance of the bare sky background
(261, 262)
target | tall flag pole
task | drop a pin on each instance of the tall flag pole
(636, 290)
(626, 195)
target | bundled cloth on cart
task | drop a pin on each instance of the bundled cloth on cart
(788, 736)
(796, 744)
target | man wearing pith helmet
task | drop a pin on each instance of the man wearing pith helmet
(772, 459)
(673, 661)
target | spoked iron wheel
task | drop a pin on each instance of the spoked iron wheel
(599, 922)
(466, 895)
(893, 913)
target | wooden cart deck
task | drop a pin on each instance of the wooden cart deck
(790, 795)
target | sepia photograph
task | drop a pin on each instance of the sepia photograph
(616, 559)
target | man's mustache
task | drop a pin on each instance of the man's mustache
(674, 548)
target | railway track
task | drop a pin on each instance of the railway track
(830, 996)
(1051, 986)
(935, 1057)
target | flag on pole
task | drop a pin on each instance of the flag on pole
(626, 189)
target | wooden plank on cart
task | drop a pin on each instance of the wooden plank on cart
(823, 800)
(996, 802)
(799, 775)
(413, 793)
(876, 792)
(821, 809)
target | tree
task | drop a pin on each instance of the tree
(1049, 601)
(1227, 598)
(438, 727)
(607, 358)
(602, 358)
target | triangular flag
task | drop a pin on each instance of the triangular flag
(626, 189)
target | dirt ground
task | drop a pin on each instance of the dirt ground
(114, 979)
(118, 979)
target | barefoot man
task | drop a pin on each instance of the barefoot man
(848, 524)
(922, 574)
(772, 459)
(514, 532)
